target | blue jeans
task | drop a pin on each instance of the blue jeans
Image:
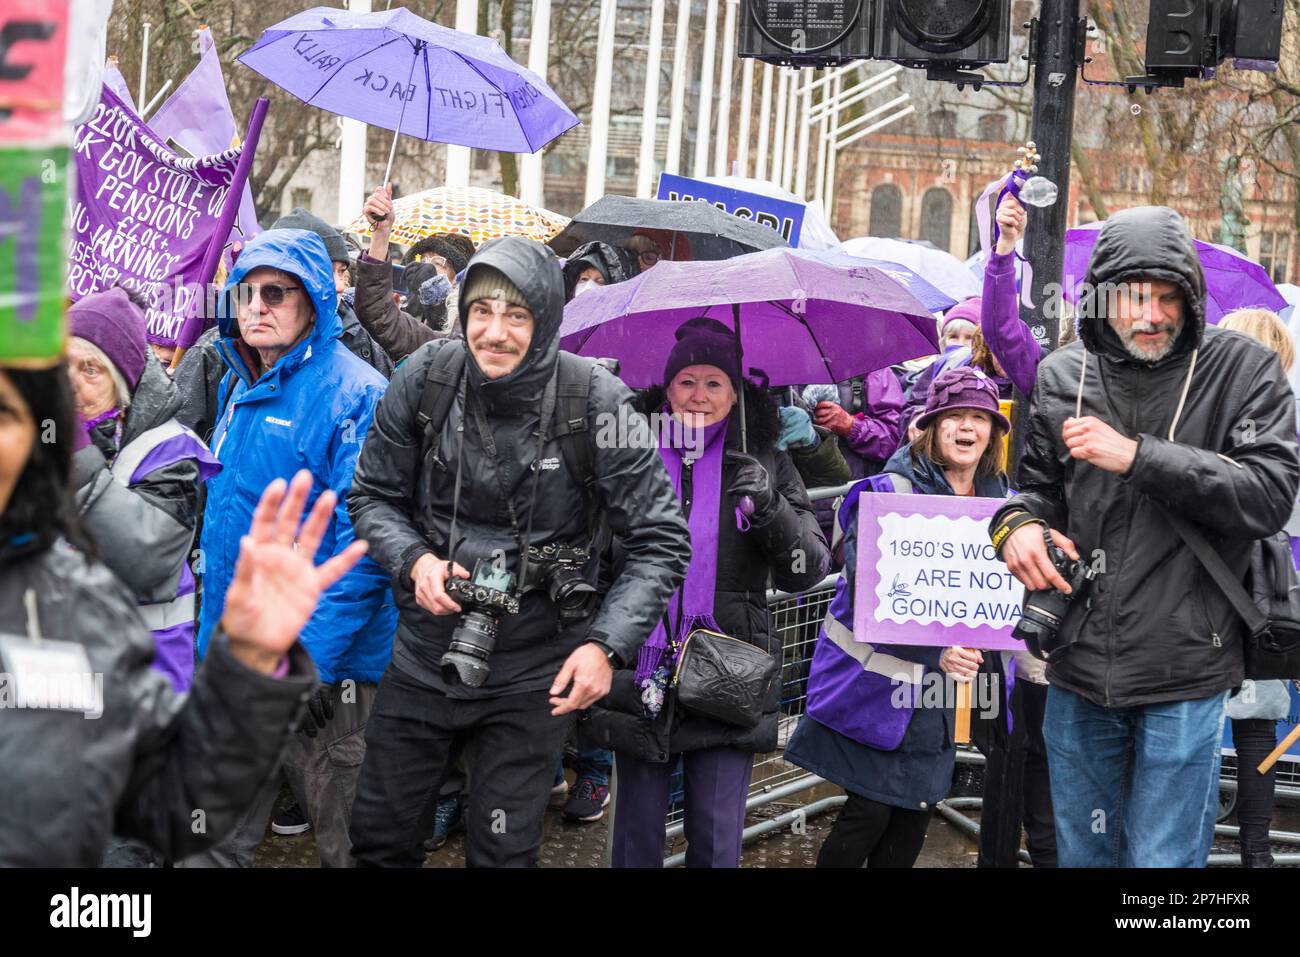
(590, 763)
(1134, 787)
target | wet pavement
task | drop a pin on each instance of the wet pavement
(583, 845)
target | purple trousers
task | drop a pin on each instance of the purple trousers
(717, 786)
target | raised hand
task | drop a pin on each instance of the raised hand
(1011, 217)
(277, 584)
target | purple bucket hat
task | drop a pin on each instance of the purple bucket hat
(962, 388)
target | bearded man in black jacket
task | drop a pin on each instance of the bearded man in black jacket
(1151, 414)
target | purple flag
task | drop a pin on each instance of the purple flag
(197, 118)
(143, 217)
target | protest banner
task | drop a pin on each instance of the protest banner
(33, 201)
(144, 217)
(928, 575)
(779, 214)
(33, 49)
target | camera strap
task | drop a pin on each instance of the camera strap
(490, 447)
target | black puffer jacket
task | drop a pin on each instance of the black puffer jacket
(403, 505)
(788, 552)
(152, 760)
(1155, 628)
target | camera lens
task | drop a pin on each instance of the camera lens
(472, 642)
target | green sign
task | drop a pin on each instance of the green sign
(33, 202)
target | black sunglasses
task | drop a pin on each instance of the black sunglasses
(271, 293)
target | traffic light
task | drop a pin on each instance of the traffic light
(943, 34)
(805, 32)
(1189, 38)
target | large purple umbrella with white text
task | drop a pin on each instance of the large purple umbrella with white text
(1232, 280)
(400, 72)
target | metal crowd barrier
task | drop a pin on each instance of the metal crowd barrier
(796, 618)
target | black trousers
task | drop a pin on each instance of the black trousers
(1255, 739)
(875, 835)
(1016, 785)
(511, 746)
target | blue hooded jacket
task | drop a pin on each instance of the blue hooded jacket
(310, 410)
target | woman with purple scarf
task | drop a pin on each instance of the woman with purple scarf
(866, 729)
(136, 470)
(751, 523)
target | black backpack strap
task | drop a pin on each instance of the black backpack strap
(440, 385)
(1229, 584)
(858, 385)
(569, 425)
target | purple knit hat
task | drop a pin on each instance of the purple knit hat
(968, 309)
(111, 321)
(704, 342)
(962, 388)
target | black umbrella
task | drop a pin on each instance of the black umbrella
(691, 230)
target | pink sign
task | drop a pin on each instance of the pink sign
(927, 574)
(33, 47)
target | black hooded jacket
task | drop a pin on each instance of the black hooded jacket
(1153, 627)
(614, 263)
(402, 504)
(788, 551)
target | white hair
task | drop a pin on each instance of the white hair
(119, 381)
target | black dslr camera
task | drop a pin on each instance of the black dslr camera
(1040, 621)
(558, 569)
(486, 596)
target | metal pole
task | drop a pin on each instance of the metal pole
(722, 143)
(792, 128)
(746, 105)
(750, 834)
(801, 166)
(764, 121)
(855, 94)
(704, 112)
(673, 161)
(352, 152)
(740, 365)
(873, 113)
(831, 155)
(645, 170)
(819, 185)
(879, 125)
(458, 156)
(531, 174)
(144, 62)
(392, 152)
(778, 128)
(1052, 127)
(598, 150)
(162, 91)
(1056, 72)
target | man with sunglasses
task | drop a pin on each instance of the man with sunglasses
(295, 398)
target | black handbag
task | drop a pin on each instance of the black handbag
(1270, 609)
(724, 678)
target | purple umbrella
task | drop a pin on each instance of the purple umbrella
(1232, 281)
(398, 71)
(801, 317)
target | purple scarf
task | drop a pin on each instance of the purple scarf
(693, 602)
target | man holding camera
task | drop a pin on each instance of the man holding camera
(1151, 413)
(480, 490)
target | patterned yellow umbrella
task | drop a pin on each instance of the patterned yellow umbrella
(481, 213)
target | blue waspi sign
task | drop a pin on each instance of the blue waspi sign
(779, 214)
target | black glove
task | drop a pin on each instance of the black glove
(753, 480)
(320, 709)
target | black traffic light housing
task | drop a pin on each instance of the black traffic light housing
(947, 34)
(1189, 38)
(816, 33)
